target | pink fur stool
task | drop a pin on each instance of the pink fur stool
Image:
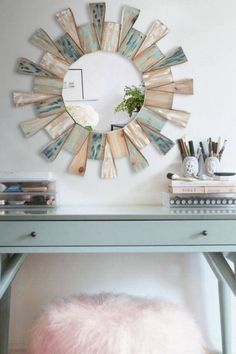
(114, 324)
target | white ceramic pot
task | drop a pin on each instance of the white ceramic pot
(190, 166)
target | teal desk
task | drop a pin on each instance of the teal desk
(119, 229)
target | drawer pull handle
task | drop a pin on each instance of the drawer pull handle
(204, 233)
(33, 234)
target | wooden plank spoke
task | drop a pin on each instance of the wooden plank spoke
(148, 58)
(25, 98)
(157, 78)
(117, 143)
(181, 87)
(157, 31)
(128, 18)
(33, 126)
(137, 160)
(42, 40)
(66, 20)
(59, 125)
(151, 118)
(88, 38)
(110, 38)
(160, 141)
(97, 13)
(136, 134)
(174, 58)
(69, 48)
(158, 99)
(28, 67)
(96, 146)
(54, 65)
(109, 170)
(177, 117)
(131, 43)
(52, 106)
(79, 163)
(76, 139)
(51, 151)
(48, 86)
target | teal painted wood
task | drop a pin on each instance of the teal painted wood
(148, 58)
(76, 139)
(148, 117)
(5, 304)
(129, 17)
(69, 48)
(131, 43)
(51, 151)
(28, 67)
(46, 85)
(33, 126)
(160, 141)
(52, 106)
(42, 40)
(137, 160)
(88, 38)
(97, 14)
(225, 318)
(175, 58)
(96, 146)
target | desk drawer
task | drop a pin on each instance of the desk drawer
(116, 233)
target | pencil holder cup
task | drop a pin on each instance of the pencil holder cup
(212, 165)
(190, 166)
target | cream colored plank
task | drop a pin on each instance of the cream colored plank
(117, 143)
(149, 117)
(177, 117)
(109, 170)
(76, 139)
(137, 160)
(78, 165)
(157, 31)
(53, 64)
(131, 43)
(97, 13)
(136, 134)
(158, 99)
(43, 41)
(110, 38)
(128, 18)
(48, 86)
(33, 126)
(157, 78)
(66, 20)
(181, 87)
(149, 57)
(57, 127)
(25, 98)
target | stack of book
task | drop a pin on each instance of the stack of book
(201, 193)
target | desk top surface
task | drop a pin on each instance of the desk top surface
(103, 213)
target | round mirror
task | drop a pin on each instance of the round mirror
(94, 86)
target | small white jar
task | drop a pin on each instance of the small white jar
(212, 165)
(190, 166)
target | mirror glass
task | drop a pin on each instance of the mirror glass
(94, 86)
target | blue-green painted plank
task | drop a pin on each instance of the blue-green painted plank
(160, 141)
(175, 58)
(52, 106)
(129, 17)
(96, 146)
(137, 160)
(51, 151)
(97, 14)
(151, 118)
(88, 38)
(131, 43)
(69, 48)
(28, 67)
(149, 57)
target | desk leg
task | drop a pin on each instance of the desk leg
(225, 317)
(4, 318)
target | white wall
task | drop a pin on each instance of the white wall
(206, 29)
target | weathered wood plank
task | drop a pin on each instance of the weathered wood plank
(131, 43)
(76, 139)
(128, 18)
(177, 117)
(54, 65)
(51, 151)
(157, 78)
(109, 170)
(96, 145)
(42, 40)
(136, 134)
(66, 20)
(181, 87)
(117, 143)
(174, 58)
(33, 126)
(25, 98)
(97, 13)
(149, 117)
(110, 38)
(28, 67)
(59, 125)
(157, 31)
(69, 48)
(48, 86)
(158, 99)
(79, 163)
(160, 141)
(88, 38)
(148, 58)
(137, 160)
(52, 106)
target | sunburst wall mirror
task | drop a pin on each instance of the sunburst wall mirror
(71, 118)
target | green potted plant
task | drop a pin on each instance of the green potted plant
(132, 101)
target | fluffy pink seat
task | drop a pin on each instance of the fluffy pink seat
(114, 324)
